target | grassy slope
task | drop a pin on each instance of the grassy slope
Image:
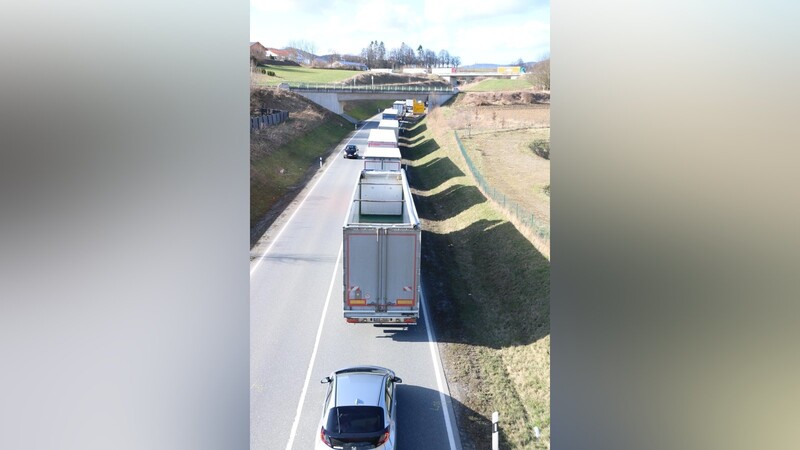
(297, 158)
(303, 75)
(490, 292)
(499, 85)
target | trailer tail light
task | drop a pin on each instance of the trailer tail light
(410, 320)
(357, 302)
(405, 302)
(350, 320)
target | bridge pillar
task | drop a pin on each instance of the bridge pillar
(328, 100)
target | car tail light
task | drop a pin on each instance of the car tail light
(384, 437)
(324, 437)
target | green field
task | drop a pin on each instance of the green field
(499, 85)
(294, 74)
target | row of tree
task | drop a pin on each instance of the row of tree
(376, 56)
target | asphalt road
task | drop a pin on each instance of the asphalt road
(298, 334)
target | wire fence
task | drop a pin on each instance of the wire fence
(518, 213)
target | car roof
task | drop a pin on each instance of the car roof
(359, 388)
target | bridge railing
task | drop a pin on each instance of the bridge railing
(365, 88)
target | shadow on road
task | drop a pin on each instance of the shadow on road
(420, 421)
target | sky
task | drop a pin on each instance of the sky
(477, 31)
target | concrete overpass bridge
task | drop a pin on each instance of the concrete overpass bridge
(331, 96)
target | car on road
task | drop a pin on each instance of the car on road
(351, 151)
(359, 410)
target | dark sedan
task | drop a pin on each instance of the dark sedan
(351, 151)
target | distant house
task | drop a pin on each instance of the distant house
(280, 55)
(258, 51)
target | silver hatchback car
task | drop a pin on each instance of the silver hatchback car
(359, 410)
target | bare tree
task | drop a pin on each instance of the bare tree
(540, 74)
(306, 47)
(444, 58)
(381, 55)
(394, 58)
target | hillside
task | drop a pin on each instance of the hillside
(283, 157)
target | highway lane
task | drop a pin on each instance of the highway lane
(290, 286)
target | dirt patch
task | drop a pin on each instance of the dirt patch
(526, 97)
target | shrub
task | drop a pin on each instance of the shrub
(264, 71)
(541, 147)
(270, 73)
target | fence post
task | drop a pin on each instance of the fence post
(495, 431)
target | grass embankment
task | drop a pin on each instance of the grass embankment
(489, 291)
(275, 174)
(499, 85)
(294, 74)
(364, 109)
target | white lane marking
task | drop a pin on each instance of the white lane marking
(313, 354)
(437, 367)
(274, 240)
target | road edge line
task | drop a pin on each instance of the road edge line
(447, 407)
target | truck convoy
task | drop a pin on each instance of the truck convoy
(381, 251)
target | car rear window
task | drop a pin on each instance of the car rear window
(355, 419)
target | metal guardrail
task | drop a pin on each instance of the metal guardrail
(525, 217)
(332, 87)
(264, 120)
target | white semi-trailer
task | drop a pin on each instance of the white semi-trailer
(390, 113)
(381, 138)
(393, 125)
(382, 158)
(381, 251)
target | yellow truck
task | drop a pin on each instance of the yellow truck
(509, 70)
